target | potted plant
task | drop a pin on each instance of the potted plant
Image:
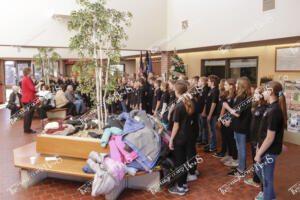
(46, 59)
(98, 35)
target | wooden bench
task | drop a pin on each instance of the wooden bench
(57, 113)
(70, 168)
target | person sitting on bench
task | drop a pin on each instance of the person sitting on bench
(62, 102)
(46, 104)
(77, 101)
(14, 103)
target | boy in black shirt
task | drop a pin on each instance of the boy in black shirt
(203, 135)
(211, 111)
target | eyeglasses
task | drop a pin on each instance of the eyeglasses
(266, 88)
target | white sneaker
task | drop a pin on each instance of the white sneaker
(197, 172)
(232, 163)
(191, 178)
(226, 158)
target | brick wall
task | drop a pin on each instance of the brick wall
(166, 63)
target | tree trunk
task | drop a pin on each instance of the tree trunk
(101, 98)
(106, 83)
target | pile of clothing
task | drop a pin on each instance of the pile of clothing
(58, 128)
(135, 142)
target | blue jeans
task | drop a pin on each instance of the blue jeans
(213, 134)
(203, 129)
(242, 150)
(79, 106)
(124, 106)
(265, 171)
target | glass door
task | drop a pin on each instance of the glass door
(14, 74)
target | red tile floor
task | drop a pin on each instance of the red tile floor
(212, 175)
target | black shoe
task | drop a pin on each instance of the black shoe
(29, 132)
(236, 173)
(219, 155)
(206, 147)
(209, 150)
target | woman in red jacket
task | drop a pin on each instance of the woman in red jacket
(28, 99)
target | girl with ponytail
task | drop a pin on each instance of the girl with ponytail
(270, 137)
(257, 113)
(179, 138)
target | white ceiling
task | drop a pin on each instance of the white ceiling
(155, 23)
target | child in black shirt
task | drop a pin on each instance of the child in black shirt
(165, 98)
(150, 94)
(222, 98)
(212, 101)
(203, 134)
(178, 142)
(157, 97)
(241, 122)
(231, 159)
(270, 137)
(257, 114)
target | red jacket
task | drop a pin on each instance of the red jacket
(28, 90)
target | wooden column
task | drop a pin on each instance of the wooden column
(2, 82)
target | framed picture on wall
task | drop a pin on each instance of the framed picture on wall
(287, 59)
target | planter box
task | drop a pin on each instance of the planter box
(70, 146)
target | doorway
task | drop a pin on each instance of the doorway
(14, 74)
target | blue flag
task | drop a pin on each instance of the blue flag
(141, 64)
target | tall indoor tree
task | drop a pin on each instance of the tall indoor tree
(46, 59)
(98, 35)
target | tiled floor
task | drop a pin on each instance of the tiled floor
(212, 175)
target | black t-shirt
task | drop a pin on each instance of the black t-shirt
(151, 90)
(241, 124)
(194, 120)
(165, 98)
(272, 120)
(172, 97)
(212, 97)
(220, 104)
(156, 97)
(180, 115)
(257, 115)
(202, 98)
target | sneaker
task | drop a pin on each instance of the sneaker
(226, 158)
(232, 163)
(260, 196)
(177, 190)
(219, 155)
(206, 147)
(250, 181)
(191, 177)
(197, 172)
(210, 150)
(185, 187)
(236, 173)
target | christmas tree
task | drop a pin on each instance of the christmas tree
(177, 67)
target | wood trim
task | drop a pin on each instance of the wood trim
(284, 47)
(64, 146)
(276, 41)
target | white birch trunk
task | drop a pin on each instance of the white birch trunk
(105, 92)
(97, 79)
(101, 98)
